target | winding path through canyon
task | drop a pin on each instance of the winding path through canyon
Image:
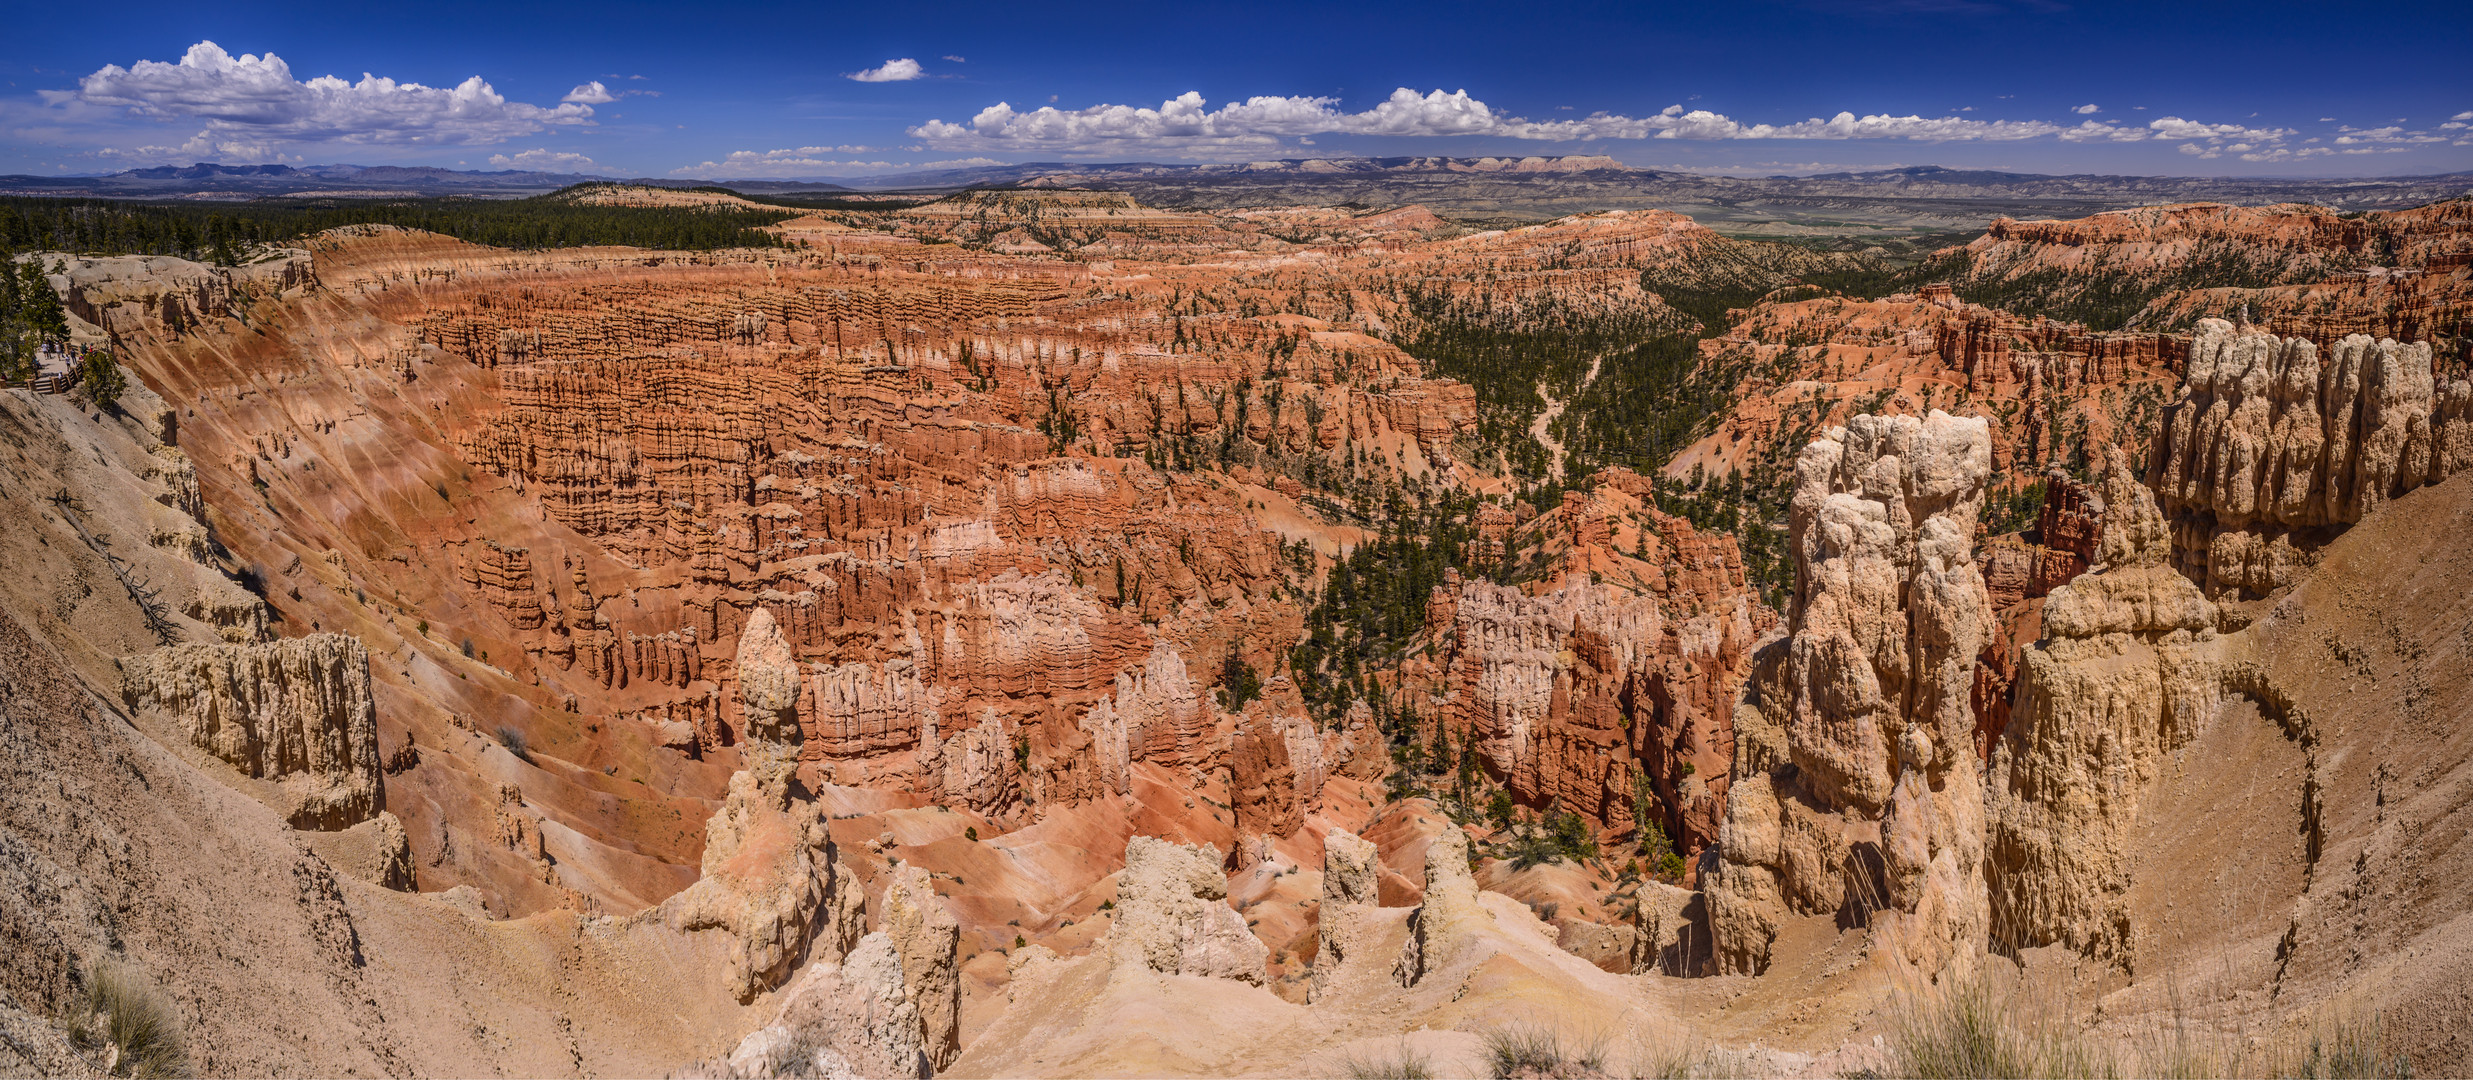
(1541, 429)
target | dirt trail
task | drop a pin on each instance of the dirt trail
(1541, 429)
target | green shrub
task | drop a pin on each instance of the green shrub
(1498, 808)
(1572, 835)
(1238, 682)
(99, 377)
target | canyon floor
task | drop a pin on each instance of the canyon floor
(1037, 633)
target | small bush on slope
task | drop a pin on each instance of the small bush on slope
(125, 1023)
(515, 743)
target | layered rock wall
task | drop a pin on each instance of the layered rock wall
(297, 712)
(1618, 673)
(2271, 450)
(2057, 392)
(2130, 670)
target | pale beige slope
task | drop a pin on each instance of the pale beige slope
(1080, 1017)
(2301, 859)
(117, 847)
(2375, 653)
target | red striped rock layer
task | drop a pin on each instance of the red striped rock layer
(549, 490)
(2289, 237)
(785, 464)
(552, 488)
(2056, 390)
(2316, 274)
(1620, 668)
(2018, 568)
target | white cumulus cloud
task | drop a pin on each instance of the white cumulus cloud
(203, 146)
(810, 161)
(902, 70)
(2088, 110)
(255, 98)
(2174, 127)
(540, 160)
(1188, 123)
(591, 93)
(2385, 136)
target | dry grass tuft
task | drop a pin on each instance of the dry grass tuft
(127, 1024)
(2339, 1047)
(1967, 1029)
(1656, 1058)
(1528, 1051)
(1404, 1062)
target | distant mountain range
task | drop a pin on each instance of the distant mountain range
(1508, 190)
(207, 180)
(1528, 189)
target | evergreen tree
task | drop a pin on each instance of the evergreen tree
(44, 316)
(100, 379)
(16, 349)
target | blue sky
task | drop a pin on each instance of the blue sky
(744, 90)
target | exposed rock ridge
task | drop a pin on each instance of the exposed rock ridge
(2271, 449)
(2130, 670)
(1449, 915)
(1862, 787)
(296, 711)
(848, 1018)
(772, 880)
(1351, 875)
(2058, 391)
(925, 933)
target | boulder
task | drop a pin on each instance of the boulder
(1172, 915)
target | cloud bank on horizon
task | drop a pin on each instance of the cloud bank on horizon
(213, 105)
(1259, 123)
